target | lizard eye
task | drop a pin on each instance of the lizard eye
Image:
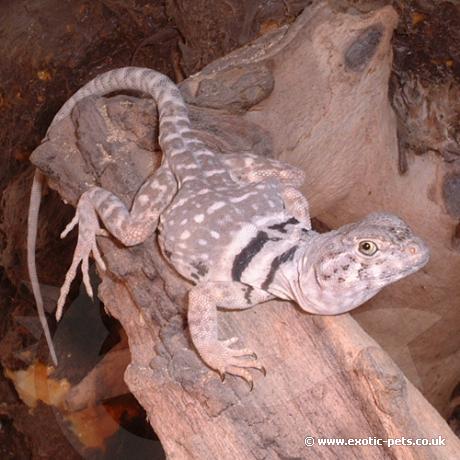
(368, 248)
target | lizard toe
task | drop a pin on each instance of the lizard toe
(88, 228)
(234, 362)
(242, 373)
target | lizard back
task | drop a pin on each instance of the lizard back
(227, 232)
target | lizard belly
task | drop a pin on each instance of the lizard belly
(203, 228)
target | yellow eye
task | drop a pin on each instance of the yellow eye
(368, 248)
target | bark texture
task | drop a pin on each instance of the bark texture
(314, 94)
(330, 114)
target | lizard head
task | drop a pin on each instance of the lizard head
(351, 264)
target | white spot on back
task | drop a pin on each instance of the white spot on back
(179, 203)
(184, 235)
(187, 178)
(242, 198)
(159, 188)
(199, 218)
(214, 207)
(214, 172)
(215, 235)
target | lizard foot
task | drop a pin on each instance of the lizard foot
(88, 228)
(226, 360)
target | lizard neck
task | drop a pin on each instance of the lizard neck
(286, 282)
(298, 281)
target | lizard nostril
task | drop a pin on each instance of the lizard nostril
(412, 250)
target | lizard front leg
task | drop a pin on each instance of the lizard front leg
(250, 168)
(129, 227)
(204, 300)
(297, 205)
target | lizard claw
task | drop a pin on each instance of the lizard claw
(88, 228)
(69, 226)
(226, 360)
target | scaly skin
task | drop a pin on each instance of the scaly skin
(237, 227)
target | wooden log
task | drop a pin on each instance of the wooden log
(102, 382)
(314, 93)
(330, 113)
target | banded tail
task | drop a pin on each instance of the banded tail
(172, 111)
(173, 124)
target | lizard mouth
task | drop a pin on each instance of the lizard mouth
(407, 271)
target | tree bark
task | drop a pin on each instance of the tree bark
(315, 94)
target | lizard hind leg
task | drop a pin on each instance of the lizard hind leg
(88, 228)
(250, 168)
(129, 227)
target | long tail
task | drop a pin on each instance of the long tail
(172, 111)
(32, 228)
(174, 123)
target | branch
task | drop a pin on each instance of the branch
(288, 93)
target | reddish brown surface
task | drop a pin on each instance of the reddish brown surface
(427, 40)
(49, 48)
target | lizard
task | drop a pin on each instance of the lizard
(236, 226)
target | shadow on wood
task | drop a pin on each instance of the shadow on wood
(314, 94)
